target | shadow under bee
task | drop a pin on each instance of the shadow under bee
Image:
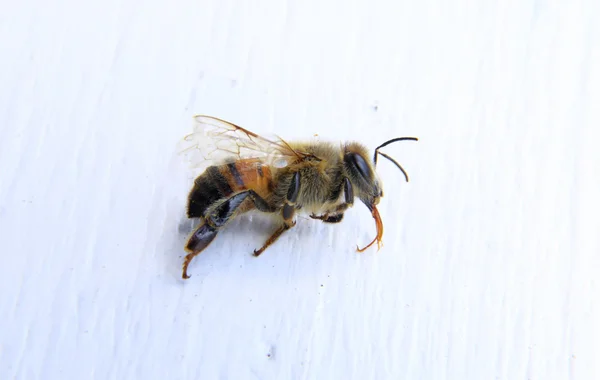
(250, 224)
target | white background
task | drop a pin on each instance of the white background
(490, 263)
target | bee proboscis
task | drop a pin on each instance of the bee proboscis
(245, 171)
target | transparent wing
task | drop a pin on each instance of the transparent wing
(214, 140)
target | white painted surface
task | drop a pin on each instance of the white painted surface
(491, 256)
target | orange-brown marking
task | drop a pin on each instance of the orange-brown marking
(251, 174)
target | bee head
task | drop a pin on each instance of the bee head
(362, 174)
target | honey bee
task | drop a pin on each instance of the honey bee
(245, 171)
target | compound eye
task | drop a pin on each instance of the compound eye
(356, 162)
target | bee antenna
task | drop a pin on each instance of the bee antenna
(390, 158)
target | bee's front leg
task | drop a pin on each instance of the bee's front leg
(287, 214)
(327, 218)
(337, 214)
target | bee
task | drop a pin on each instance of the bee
(244, 171)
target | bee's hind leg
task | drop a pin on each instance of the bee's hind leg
(198, 241)
(207, 231)
(287, 213)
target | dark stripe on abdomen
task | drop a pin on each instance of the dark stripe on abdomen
(236, 174)
(220, 181)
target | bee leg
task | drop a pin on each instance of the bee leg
(288, 222)
(205, 233)
(338, 214)
(199, 240)
(287, 214)
(260, 203)
(327, 218)
(273, 238)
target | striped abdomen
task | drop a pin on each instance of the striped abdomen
(221, 182)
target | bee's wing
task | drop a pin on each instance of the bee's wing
(214, 140)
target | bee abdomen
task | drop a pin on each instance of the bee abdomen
(221, 182)
(208, 188)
